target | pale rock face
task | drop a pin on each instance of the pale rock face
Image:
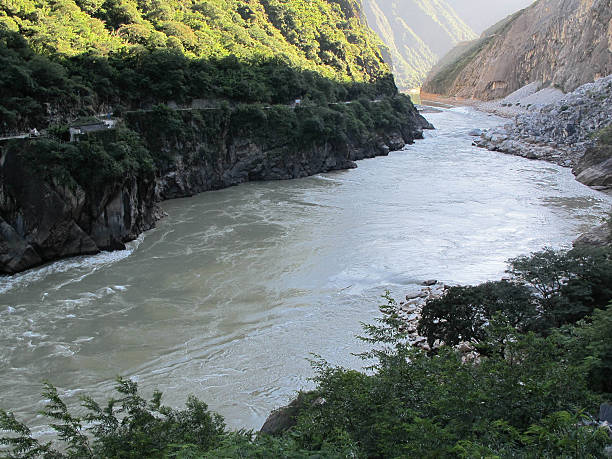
(561, 133)
(565, 43)
(610, 36)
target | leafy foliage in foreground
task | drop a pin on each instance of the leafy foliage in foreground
(549, 289)
(530, 393)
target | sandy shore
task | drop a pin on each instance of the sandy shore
(528, 99)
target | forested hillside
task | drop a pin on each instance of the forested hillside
(67, 58)
(417, 34)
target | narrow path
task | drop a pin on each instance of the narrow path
(19, 136)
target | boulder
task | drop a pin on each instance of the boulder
(281, 419)
(605, 413)
(599, 236)
(15, 253)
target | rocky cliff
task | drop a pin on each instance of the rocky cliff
(564, 43)
(43, 219)
(574, 131)
(48, 211)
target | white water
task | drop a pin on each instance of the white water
(230, 294)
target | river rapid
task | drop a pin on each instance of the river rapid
(227, 298)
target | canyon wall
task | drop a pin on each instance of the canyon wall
(47, 214)
(563, 43)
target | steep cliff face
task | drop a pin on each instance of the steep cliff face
(565, 43)
(417, 33)
(260, 146)
(42, 220)
(43, 217)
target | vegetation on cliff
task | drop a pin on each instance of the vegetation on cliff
(139, 145)
(540, 366)
(64, 59)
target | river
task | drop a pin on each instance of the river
(231, 293)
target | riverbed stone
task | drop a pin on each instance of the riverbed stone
(281, 419)
(560, 132)
(605, 412)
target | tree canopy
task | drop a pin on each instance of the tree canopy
(67, 58)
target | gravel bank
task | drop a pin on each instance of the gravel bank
(558, 132)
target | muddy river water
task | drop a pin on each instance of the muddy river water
(231, 293)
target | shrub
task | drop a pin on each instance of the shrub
(129, 426)
(463, 313)
(569, 284)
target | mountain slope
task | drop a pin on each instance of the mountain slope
(565, 43)
(81, 57)
(417, 33)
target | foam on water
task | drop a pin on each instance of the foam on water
(82, 263)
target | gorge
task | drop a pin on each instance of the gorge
(227, 297)
(120, 278)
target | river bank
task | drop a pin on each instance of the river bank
(60, 199)
(565, 129)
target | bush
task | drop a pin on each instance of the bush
(569, 284)
(129, 426)
(463, 313)
(550, 288)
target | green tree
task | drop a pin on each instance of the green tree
(464, 313)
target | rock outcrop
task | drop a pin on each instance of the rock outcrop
(565, 132)
(236, 153)
(564, 43)
(595, 167)
(42, 220)
(600, 236)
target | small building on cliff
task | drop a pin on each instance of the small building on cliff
(85, 127)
